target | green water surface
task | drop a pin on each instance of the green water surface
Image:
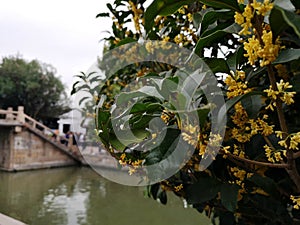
(79, 196)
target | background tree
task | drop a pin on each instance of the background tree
(33, 85)
(252, 47)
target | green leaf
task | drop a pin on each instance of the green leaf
(163, 197)
(138, 107)
(281, 19)
(266, 183)
(102, 15)
(285, 4)
(217, 65)
(212, 16)
(154, 190)
(83, 99)
(235, 59)
(231, 102)
(163, 8)
(202, 115)
(142, 122)
(214, 38)
(252, 105)
(229, 195)
(296, 3)
(197, 18)
(223, 4)
(74, 90)
(204, 190)
(124, 138)
(255, 72)
(287, 55)
(126, 41)
(145, 91)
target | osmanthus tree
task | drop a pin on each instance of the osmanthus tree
(253, 49)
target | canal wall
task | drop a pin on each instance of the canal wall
(24, 150)
(26, 144)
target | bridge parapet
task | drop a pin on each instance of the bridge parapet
(21, 135)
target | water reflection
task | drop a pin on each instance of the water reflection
(78, 196)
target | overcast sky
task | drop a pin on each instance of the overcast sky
(63, 33)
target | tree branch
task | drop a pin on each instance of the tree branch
(254, 162)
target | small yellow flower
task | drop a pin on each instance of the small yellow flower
(296, 201)
(178, 188)
(252, 47)
(239, 18)
(262, 8)
(131, 171)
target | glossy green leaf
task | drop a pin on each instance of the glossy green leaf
(83, 99)
(162, 7)
(154, 190)
(224, 4)
(255, 72)
(229, 193)
(231, 102)
(252, 105)
(296, 3)
(266, 183)
(74, 90)
(125, 138)
(142, 92)
(281, 19)
(126, 41)
(102, 15)
(212, 16)
(138, 107)
(163, 197)
(234, 60)
(217, 65)
(287, 55)
(215, 37)
(204, 190)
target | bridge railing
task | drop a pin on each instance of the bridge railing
(21, 117)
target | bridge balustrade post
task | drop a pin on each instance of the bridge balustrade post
(21, 115)
(9, 115)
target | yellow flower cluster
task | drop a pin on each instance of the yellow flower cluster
(266, 53)
(281, 93)
(296, 201)
(181, 40)
(211, 146)
(178, 188)
(240, 174)
(292, 141)
(263, 50)
(236, 84)
(262, 8)
(136, 16)
(274, 155)
(244, 20)
(239, 152)
(132, 165)
(166, 116)
(190, 135)
(122, 160)
(247, 128)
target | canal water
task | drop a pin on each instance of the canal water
(79, 196)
